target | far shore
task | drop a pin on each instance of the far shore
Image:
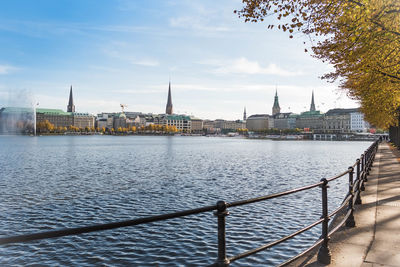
(288, 137)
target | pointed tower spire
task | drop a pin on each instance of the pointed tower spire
(312, 106)
(71, 106)
(168, 109)
(276, 108)
(244, 114)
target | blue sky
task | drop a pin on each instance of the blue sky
(121, 51)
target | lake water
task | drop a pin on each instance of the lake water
(54, 182)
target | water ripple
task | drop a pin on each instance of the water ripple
(55, 182)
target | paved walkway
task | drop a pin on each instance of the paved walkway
(375, 241)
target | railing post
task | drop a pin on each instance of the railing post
(359, 176)
(366, 172)
(350, 220)
(372, 155)
(221, 213)
(370, 160)
(362, 167)
(360, 184)
(324, 254)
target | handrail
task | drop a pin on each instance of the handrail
(362, 166)
(101, 227)
(337, 176)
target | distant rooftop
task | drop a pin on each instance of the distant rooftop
(341, 111)
(314, 113)
(47, 111)
(178, 117)
(15, 110)
(258, 116)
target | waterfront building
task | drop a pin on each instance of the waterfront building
(65, 119)
(285, 121)
(119, 121)
(229, 125)
(209, 126)
(101, 123)
(259, 122)
(197, 125)
(338, 120)
(357, 122)
(105, 120)
(276, 108)
(55, 116)
(182, 122)
(83, 120)
(292, 120)
(140, 120)
(168, 109)
(234, 125)
(149, 119)
(312, 119)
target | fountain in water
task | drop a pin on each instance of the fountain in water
(22, 116)
(34, 118)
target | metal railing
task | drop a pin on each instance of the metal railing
(361, 168)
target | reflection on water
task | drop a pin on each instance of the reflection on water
(67, 181)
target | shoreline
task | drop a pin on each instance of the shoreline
(299, 137)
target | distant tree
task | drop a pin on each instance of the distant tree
(45, 127)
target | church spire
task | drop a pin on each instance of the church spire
(244, 114)
(312, 106)
(276, 108)
(71, 106)
(168, 109)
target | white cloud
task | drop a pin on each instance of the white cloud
(146, 62)
(6, 69)
(245, 66)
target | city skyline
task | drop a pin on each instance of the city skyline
(124, 52)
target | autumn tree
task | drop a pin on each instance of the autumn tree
(360, 38)
(45, 126)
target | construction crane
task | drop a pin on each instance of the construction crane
(123, 106)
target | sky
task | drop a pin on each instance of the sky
(116, 52)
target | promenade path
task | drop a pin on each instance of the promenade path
(375, 241)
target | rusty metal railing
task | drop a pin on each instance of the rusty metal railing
(361, 167)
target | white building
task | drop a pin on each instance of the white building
(357, 122)
(181, 122)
